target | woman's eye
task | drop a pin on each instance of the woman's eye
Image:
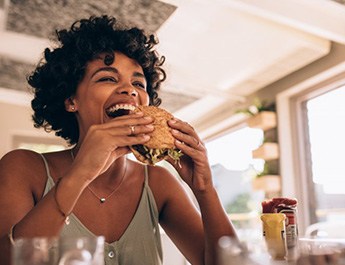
(107, 79)
(140, 85)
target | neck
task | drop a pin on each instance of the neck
(112, 176)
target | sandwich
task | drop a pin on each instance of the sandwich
(161, 144)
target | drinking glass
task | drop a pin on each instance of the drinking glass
(35, 251)
(247, 252)
(81, 251)
(321, 252)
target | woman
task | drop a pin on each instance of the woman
(82, 90)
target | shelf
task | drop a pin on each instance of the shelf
(268, 183)
(267, 151)
(264, 120)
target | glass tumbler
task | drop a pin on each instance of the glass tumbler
(35, 251)
(81, 251)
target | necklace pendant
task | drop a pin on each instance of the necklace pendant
(102, 200)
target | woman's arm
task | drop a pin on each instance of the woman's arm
(23, 175)
(178, 216)
(196, 172)
(215, 221)
(195, 232)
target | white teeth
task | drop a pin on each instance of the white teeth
(121, 106)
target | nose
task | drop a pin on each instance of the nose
(128, 90)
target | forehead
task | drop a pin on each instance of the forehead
(117, 60)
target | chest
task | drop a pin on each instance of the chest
(111, 218)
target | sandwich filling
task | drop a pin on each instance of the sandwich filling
(155, 155)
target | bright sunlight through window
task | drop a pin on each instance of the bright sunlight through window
(326, 116)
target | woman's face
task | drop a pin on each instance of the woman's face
(108, 91)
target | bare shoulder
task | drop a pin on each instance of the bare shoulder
(20, 164)
(21, 182)
(165, 185)
(20, 158)
(20, 153)
(160, 177)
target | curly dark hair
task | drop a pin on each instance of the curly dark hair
(56, 78)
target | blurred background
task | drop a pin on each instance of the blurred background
(262, 81)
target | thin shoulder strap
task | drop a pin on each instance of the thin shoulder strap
(46, 166)
(146, 176)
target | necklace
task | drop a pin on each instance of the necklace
(103, 199)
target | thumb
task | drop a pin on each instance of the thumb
(121, 151)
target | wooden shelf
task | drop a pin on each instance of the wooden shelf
(267, 151)
(264, 120)
(268, 183)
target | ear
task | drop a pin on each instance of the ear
(70, 105)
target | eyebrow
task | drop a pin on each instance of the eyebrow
(107, 69)
(114, 70)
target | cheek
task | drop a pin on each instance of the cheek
(144, 98)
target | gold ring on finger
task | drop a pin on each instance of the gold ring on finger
(132, 127)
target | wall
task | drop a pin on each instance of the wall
(16, 122)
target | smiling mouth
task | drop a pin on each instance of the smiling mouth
(119, 110)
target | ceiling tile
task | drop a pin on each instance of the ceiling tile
(41, 17)
(13, 74)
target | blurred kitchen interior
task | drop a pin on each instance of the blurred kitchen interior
(221, 56)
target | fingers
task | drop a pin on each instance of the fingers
(134, 130)
(128, 120)
(186, 135)
(132, 127)
(121, 141)
(121, 151)
(129, 125)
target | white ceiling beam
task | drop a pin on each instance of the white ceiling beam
(22, 47)
(322, 18)
(15, 97)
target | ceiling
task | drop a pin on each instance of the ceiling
(217, 51)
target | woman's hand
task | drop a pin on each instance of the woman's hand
(104, 143)
(194, 167)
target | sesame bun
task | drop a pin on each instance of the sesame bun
(161, 137)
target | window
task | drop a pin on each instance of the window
(41, 148)
(325, 130)
(37, 143)
(311, 118)
(233, 168)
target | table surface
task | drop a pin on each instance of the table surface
(262, 257)
(265, 259)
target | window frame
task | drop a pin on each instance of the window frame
(295, 157)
